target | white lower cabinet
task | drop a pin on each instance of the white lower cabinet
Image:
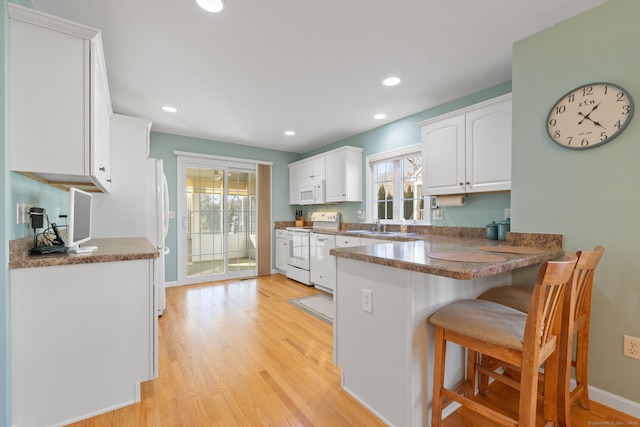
(350, 241)
(82, 339)
(281, 250)
(347, 241)
(323, 264)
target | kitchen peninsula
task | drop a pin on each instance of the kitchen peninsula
(384, 295)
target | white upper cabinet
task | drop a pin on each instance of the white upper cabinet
(443, 156)
(468, 151)
(295, 173)
(312, 171)
(344, 175)
(60, 107)
(101, 113)
(341, 170)
(304, 173)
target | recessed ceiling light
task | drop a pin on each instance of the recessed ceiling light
(391, 81)
(170, 109)
(214, 6)
(289, 132)
(380, 116)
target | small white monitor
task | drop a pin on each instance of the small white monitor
(78, 218)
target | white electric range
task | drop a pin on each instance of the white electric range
(298, 242)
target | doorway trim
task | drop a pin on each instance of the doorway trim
(264, 208)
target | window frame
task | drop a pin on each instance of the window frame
(391, 155)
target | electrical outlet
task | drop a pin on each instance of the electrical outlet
(437, 214)
(367, 300)
(22, 213)
(507, 213)
(631, 347)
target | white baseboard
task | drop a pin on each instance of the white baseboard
(606, 398)
(369, 408)
(613, 401)
(94, 414)
(170, 284)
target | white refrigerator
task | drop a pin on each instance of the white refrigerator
(158, 226)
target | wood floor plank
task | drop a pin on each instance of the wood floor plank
(237, 353)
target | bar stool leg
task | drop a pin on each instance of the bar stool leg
(528, 397)
(438, 377)
(582, 359)
(483, 380)
(472, 358)
(553, 386)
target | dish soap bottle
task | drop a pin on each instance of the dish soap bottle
(403, 226)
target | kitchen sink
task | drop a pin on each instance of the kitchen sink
(379, 233)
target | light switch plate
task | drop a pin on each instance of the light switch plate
(22, 213)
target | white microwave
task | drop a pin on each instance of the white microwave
(312, 194)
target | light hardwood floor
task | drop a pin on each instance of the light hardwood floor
(237, 353)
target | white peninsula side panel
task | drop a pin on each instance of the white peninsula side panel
(82, 339)
(386, 355)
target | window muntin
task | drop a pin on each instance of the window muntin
(412, 200)
(395, 184)
(383, 182)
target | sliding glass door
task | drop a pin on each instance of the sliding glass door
(218, 238)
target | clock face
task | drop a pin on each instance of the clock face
(590, 116)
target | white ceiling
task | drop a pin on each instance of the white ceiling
(261, 67)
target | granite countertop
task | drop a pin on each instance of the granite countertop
(410, 251)
(109, 250)
(414, 232)
(414, 255)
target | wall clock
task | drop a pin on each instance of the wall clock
(590, 115)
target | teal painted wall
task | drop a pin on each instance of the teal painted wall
(27, 190)
(588, 196)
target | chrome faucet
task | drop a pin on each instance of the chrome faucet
(376, 226)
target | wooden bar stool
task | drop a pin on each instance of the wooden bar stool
(523, 340)
(575, 322)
